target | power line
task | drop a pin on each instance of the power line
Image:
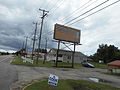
(96, 12)
(81, 10)
(59, 5)
(84, 13)
(56, 3)
(48, 3)
(87, 11)
(54, 9)
(75, 11)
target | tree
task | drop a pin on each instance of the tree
(106, 53)
(41, 50)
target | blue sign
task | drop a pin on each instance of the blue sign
(53, 80)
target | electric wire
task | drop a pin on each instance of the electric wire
(58, 6)
(93, 13)
(87, 11)
(56, 3)
(96, 11)
(75, 11)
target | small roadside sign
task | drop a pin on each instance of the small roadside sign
(53, 80)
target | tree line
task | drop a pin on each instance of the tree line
(4, 53)
(106, 53)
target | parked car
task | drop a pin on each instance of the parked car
(89, 65)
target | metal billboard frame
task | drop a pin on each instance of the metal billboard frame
(60, 40)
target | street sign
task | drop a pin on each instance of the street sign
(53, 80)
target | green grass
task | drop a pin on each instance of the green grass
(114, 74)
(18, 61)
(70, 85)
(98, 65)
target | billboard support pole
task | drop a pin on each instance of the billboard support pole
(57, 53)
(73, 54)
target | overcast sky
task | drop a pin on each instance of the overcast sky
(16, 17)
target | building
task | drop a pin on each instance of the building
(66, 56)
(113, 66)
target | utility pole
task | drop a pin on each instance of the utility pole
(43, 16)
(23, 44)
(26, 44)
(34, 39)
(45, 52)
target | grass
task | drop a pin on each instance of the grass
(18, 61)
(70, 85)
(98, 65)
(115, 74)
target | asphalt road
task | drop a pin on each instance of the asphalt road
(8, 73)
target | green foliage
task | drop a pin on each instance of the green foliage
(70, 85)
(41, 50)
(4, 53)
(106, 53)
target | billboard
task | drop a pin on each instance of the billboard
(65, 33)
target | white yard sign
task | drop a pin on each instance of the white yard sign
(53, 80)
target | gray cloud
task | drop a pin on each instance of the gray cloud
(16, 17)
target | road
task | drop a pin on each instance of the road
(8, 73)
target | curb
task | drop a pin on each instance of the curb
(29, 84)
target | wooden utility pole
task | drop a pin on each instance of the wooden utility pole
(45, 52)
(34, 39)
(43, 16)
(26, 44)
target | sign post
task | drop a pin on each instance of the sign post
(57, 54)
(73, 54)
